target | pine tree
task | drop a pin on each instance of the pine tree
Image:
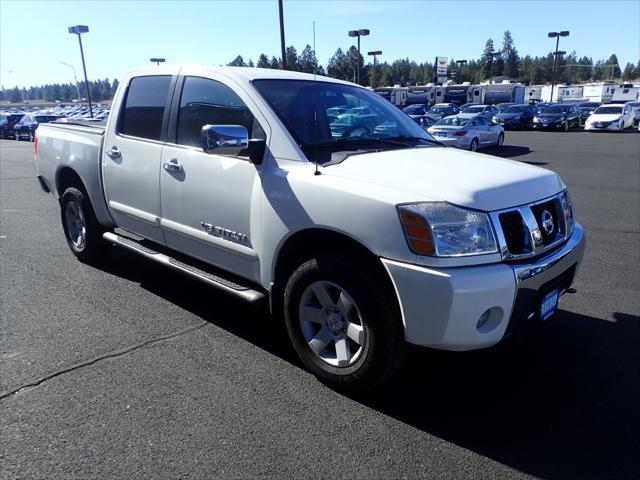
(487, 59)
(263, 61)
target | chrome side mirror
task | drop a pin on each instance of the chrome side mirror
(224, 139)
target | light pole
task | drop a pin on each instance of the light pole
(79, 30)
(460, 63)
(363, 32)
(18, 78)
(556, 35)
(282, 47)
(374, 54)
(157, 61)
(75, 78)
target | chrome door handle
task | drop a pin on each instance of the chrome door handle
(113, 152)
(172, 166)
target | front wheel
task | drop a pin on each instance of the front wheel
(566, 126)
(30, 136)
(16, 135)
(81, 228)
(474, 145)
(344, 335)
(500, 140)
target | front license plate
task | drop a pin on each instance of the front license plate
(599, 125)
(549, 304)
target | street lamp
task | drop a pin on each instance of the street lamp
(460, 63)
(363, 32)
(157, 61)
(79, 30)
(374, 54)
(74, 78)
(556, 35)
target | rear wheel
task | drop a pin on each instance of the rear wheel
(345, 336)
(474, 145)
(81, 228)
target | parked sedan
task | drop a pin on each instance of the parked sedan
(417, 109)
(350, 125)
(586, 109)
(487, 110)
(559, 116)
(502, 106)
(612, 117)
(635, 106)
(516, 116)
(441, 110)
(26, 127)
(425, 121)
(7, 122)
(468, 131)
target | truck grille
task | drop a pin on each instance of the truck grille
(531, 229)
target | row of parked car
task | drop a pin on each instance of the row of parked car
(472, 126)
(21, 125)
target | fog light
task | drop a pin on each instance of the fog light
(484, 318)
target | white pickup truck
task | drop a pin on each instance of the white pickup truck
(321, 198)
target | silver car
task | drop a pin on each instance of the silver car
(468, 131)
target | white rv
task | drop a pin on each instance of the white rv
(626, 93)
(570, 93)
(545, 93)
(599, 92)
(533, 94)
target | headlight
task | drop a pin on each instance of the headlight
(567, 210)
(443, 230)
(535, 119)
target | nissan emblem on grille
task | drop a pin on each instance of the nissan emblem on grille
(547, 222)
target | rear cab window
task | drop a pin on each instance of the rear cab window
(143, 109)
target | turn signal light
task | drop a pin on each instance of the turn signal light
(418, 232)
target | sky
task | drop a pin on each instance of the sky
(124, 34)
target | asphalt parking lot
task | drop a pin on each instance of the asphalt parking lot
(132, 371)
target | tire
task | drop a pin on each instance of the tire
(358, 337)
(473, 146)
(500, 140)
(566, 126)
(81, 228)
(30, 136)
(16, 136)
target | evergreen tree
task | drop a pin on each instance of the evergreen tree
(263, 61)
(237, 62)
(628, 72)
(487, 59)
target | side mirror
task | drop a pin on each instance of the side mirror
(224, 139)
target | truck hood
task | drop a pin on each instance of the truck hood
(472, 180)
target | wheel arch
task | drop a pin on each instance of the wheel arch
(68, 177)
(302, 245)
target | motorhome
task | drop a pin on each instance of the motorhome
(464, 93)
(503, 93)
(626, 93)
(599, 92)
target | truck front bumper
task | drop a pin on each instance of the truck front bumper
(467, 308)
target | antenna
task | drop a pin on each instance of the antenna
(314, 50)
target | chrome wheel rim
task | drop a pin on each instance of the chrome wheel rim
(474, 146)
(500, 140)
(331, 324)
(76, 224)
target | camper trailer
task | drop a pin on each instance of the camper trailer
(570, 93)
(626, 93)
(464, 93)
(425, 94)
(504, 93)
(533, 94)
(545, 93)
(397, 95)
(599, 92)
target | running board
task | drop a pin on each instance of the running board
(225, 284)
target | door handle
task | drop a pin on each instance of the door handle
(172, 166)
(113, 152)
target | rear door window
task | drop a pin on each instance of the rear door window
(143, 110)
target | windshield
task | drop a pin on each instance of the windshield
(515, 109)
(452, 122)
(556, 109)
(473, 110)
(303, 107)
(413, 109)
(440, 109)
(609, 110)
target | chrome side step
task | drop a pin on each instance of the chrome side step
(225, 284)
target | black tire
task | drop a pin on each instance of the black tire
(30, 136)
(16, 136)
(383, 349)
(566, 126)
(473, 146)
(93, 248)
(500, 140)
